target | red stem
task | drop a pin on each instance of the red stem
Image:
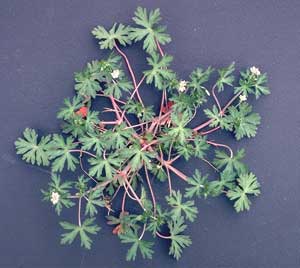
(221, 145)
(215, 98)
(210, 131)
(151, 190)
(203, 125)
(129, 69)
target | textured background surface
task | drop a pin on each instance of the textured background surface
(44, 42)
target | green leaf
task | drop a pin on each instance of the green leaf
(32, 149)
(200, 146)
(62, 188)
(198, 77)
(156, 222)
(179, 132)
(115, 87)
(92, 141)
(78, 126)
(86, 84)
(248, 185)
(144, 247)
(244, 122)
(186, 150)
(94, 199)
(252, 84)
(125, 221)
(70, 107)
(144, 113)
(184, 103)
(179, 206)
(118, 138)
(260, 87)
(178, 240)
(225, 77)
(138, 157)
(198, 186)
(108, 165)
(149, 31)
(230, 164)
(118, 32)
(159, 72)
(87, 227)
(60, 153)
(217, 119)
(159, 172)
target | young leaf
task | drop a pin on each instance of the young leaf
(32, 150)
(108, 38)
(144, 247)
(149, 30)
(179, 207)
(87, 227)
(248, 184)
(178, 240)
(159, 72)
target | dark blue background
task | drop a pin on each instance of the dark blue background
(42, 43)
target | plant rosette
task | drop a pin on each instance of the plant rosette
(121, 160)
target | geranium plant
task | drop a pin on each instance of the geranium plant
(121, 160)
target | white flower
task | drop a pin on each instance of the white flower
(54, 198)
(254, 70)
(115, 74)
(182, 86)
(243, 98)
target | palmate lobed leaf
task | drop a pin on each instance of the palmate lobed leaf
(118, 32)
(159, 71)
(83, 231)
(32, 150)
(180, 207)
(243, 121)
(61, 154)
(102, 165)
(179, 241)
(232, 165)
(138, 245)
(149, 30)
(247, 185)
(225, 77)
(180, 132)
